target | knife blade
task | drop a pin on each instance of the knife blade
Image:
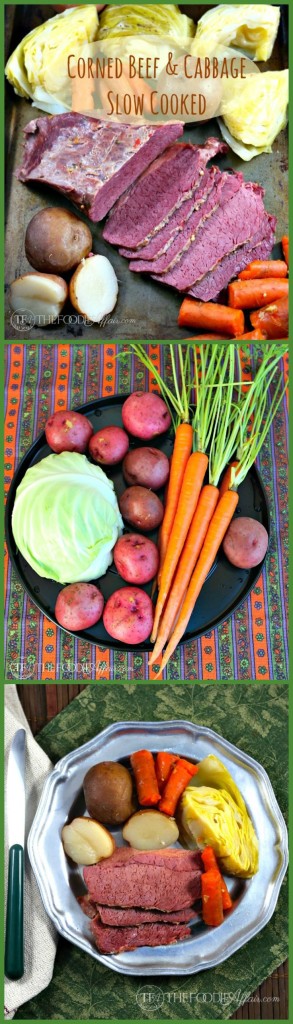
(15, 797)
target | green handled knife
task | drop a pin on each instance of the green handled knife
(15, 796)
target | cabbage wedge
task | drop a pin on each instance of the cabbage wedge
(251, 28)
(254, 110)
(212, 812)
(165, 20)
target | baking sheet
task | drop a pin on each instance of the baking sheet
(60, 882)
(145, 309)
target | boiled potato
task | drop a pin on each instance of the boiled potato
(150, 830)
(93, 289)
(42, 295)
(86, 841)
(108, 792)
(56, 240)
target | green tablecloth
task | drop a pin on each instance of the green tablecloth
(254, 718)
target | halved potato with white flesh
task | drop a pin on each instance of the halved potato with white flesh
(93, 289)
(42, 295)
(150, 830)
(86, 841)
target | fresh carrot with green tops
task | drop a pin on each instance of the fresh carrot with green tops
(180, 456)
(211, 894)
(175, 786)
(229, 477)
(143, 765)
(164, 764)
(285, 247)
(210, 864)
(211, 315)
(264, 268)
(256, 293)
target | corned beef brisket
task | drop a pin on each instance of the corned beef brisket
(166, 880)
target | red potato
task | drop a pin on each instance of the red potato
(136, 558)
(79, 605)
(68, 431)
(109, 446)
(128, 615)
(141, 508)
(146, 466)
(246, 542)
(145, 414)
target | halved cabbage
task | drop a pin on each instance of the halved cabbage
(251, 28)
(66, 519)
(37, 69)
(254, 110)
(212, 812)
(164, 20)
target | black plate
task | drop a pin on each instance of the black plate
(225, 588)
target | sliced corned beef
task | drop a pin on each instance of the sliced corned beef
(87, 905)
(160, 237)
(165, 880)
(134, 916)
(258, 248)
(91, 161)
(230, 226)
(119, 940)
(156, 195)
(182, 239)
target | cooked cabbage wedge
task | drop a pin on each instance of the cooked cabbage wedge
(157, 19)
(37, 69)
(251, 28)
(212, 812)
(254, 110)
(66, 519)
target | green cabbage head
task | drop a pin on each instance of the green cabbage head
(66, 519)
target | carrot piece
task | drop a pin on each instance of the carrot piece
(220, 521)
(211, 894)
(191, 486)
(253, 294)
(285, 247)
(181, 452)
(177, 782)
(257, 335)
(227, 478)
(211, 315)
(191, 768)
(191, 551)
(210, 864)
(164, 764)
(273, 319)
(264, 268)
(143, 765)
(208, 337)
(227, 902)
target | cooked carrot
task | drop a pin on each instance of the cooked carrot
(227, 478)
(253, 336)
(285, 247)
(191, 768)
(191, 551)
(210, 864)
(253, 294)
(211, 315)
(190, 490)
(181, 452)
(264, 268)
(177, 782)
(220, 521)
(164, 764)
(143, 765)
(211, 893)
(273, 319)
(207, 337)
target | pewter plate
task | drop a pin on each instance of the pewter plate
(60, 882)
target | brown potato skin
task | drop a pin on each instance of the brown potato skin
(108, 793)
(146, 466)
(56, 240)
(141, 507)
(246, 542)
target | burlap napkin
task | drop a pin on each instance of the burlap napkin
(39, 935)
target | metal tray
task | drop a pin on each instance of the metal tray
(225, 588)
(60, 882)
(145, 309)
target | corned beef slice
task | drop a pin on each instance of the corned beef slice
(91, 161)
(134, 915)
(161, 236)
(222, 186)
(230, 226)
(158, 193)
(118, 940)
(166, 880)
(258, 248)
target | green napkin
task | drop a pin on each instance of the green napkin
(255, 719)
